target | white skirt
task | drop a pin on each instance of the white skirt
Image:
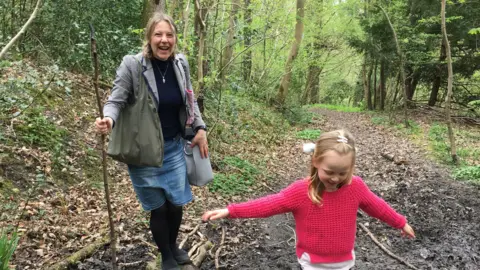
(307, 265)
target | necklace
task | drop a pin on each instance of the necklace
(163, 74)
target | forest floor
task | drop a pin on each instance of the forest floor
(444, 213)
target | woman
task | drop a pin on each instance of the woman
(150, 109)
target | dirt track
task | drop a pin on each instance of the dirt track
(445, 214)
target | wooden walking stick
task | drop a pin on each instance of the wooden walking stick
(113, 239)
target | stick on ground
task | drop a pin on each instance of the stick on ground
(391, 254)
(217, 254)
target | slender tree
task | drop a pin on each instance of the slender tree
(451, 136)
(402, 67)
(22, 31)
(283, 90)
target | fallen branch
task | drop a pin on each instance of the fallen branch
(188, 235)
(149, 244)
(81, 254)
(194, 248)
(391, 254)
(202, 253)
(217, 254)
(130, 264)
(265, 185)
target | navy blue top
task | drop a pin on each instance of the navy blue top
(169, 98)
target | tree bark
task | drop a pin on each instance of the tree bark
(228, 51)
(369, 86)
(402, 68)
(283, 89)
(247, 59)
(437, 81)
(366, 90)
(312, 85)
(201, 28)
(186, 16)
(412, 79)
(22, 31)
(451, 136)
(150, 6)
(383, 92)
(375, 90)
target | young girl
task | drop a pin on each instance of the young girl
(324, 206)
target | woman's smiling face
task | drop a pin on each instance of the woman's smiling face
(162, 41)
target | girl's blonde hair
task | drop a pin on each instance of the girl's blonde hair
(152, 22)
(340, 141)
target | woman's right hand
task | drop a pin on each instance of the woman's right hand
(215, 214)
(103, 126)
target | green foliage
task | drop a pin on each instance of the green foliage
(468, 173)
(339, 108)
(237, 176)
(296, 115)
(36, 129)
(440, 144)
(412, 129)
(378, 120)
(309, 134)
(8, 244)
(61, 32)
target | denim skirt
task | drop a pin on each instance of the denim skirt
(155, 185)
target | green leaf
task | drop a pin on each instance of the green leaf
(474, 31)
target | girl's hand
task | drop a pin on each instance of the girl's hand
(200, 139)
(215, 214)
(408, 231)
(103, 126)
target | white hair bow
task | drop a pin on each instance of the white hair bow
(342, 139)
(308, 147)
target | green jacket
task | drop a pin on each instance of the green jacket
(137, 137)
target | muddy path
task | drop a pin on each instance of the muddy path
(444, 213)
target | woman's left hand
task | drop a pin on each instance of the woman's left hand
(200, 139)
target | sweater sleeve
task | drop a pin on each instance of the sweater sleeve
(122, 89)
(285, 201)
(376, 207)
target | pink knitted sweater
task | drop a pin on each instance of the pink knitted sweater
(326, 232)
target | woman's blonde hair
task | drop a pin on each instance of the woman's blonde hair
(340, 141)
(151, 24)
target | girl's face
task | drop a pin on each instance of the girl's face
(162, 41)
(334, 169)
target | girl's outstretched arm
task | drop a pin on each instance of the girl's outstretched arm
(376, 207)
(285, 201)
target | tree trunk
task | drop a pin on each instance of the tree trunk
(412, 79)
(451, 136)
(365, 84)
(22, 31)
(150, 6)
(383, 92)
(228, 52)
(247, 60)
(201, 28)
(402, 67)
(437, 81)
(369, 85)
(186, 16)
(375, 90)
(283, 89)
(312, 86)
